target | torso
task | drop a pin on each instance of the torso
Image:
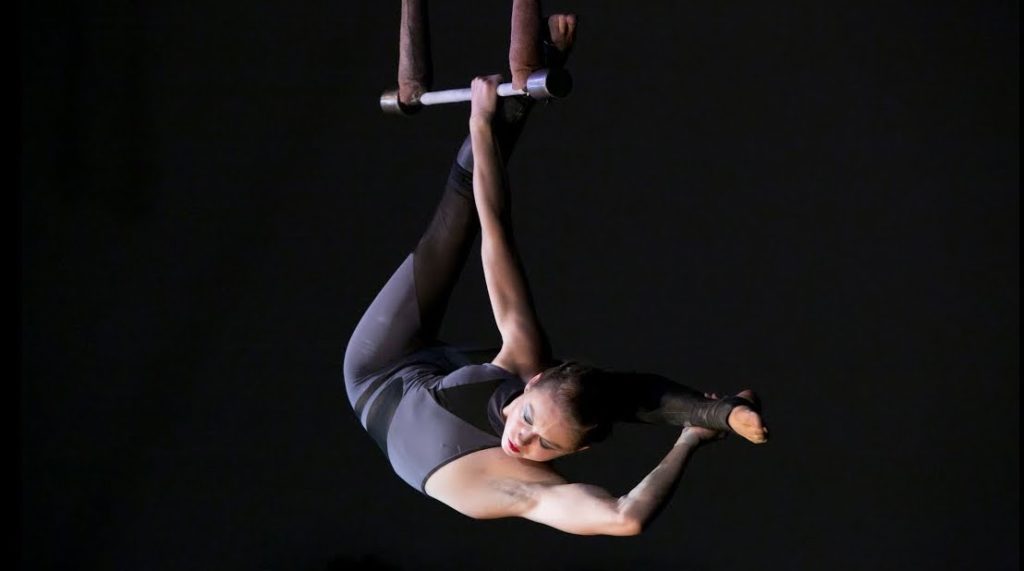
(433, 409)
(484, 483)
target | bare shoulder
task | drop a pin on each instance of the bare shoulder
(519, 360)
(490, 484)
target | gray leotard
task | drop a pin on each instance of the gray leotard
(432, 407)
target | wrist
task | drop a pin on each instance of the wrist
(688, 440)
(478, 122)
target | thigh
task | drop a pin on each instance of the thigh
(407, 313)
(388, 330)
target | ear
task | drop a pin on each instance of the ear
(533, 381)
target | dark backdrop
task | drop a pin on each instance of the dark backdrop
(815, 199)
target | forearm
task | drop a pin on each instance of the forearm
(645, 501)
(490, 186)
(503, 270)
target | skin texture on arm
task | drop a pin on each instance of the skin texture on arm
(496, 486)
(645, 501)
(525, 349)
(587, 510)
(489, 485)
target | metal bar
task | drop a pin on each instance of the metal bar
(464, 94)
(542, 84)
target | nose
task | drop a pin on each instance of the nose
(524, 437)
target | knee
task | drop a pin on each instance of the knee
(460, 179)
(352, 366)
(465, 156)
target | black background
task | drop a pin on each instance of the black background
(815, 199)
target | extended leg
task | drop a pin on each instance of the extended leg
(407, 312)
(444, 247)
(654, 399)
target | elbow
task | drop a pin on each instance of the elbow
(476, 512)
(626, 522)
(632, 527)
(626, 526)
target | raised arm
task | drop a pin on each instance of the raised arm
(525, 349)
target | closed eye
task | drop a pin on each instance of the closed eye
(529, 420)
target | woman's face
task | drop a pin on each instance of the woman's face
(535, 428)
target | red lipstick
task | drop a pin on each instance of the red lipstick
(512, 446)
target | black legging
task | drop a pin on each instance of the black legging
(406, 315)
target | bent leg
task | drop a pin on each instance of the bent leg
(407, 313)
(443, 249)
(654, 399)
(388, 328)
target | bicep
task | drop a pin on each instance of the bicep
(492, 488)
(581, 509)
(533, 492)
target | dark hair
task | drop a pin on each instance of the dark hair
(584, 392)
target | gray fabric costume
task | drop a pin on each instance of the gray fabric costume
(420, 399)
(426, 403)
(431, 408)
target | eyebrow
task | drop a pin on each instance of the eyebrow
(529, 410)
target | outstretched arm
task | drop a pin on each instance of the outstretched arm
(525, 350)
(572, 507)
(536, 493)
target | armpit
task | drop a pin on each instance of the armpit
(514, 491)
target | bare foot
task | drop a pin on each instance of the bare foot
(562, 29)
(747, 422)
(525, 54)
